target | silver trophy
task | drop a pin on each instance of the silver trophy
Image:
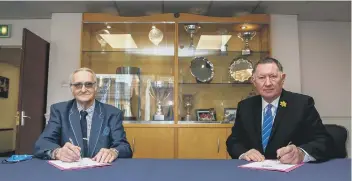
(160, 90)
(246, 36)
(187, 100)
(127, 86)
(104, 89)
(123, 94)
(240, 69)
(192, 29)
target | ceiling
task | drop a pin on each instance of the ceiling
(306, 10)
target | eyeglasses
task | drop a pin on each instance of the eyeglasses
(79, 85)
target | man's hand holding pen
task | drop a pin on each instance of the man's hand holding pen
(290, 154)
(68, 153)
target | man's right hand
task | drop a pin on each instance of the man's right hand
(68, 153)
(252, 155)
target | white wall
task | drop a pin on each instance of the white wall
(64, 58)
(285, 48)
(326, 65)
(40, 27)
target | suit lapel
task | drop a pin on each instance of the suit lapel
(257, 109)
(280, 115)
(97, 122)
(75, 123)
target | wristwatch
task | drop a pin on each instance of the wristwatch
(48, 154)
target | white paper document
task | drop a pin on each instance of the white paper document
(274, 165)
(84, 163)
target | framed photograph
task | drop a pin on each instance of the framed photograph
(4, 87)
(206, 114)
(230, 114)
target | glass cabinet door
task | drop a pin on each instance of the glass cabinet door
(215, 62)
(134, 63)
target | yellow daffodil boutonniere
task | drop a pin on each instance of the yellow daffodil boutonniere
(283, 104)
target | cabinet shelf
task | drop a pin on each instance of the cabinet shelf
(132, 50)
(182, 54)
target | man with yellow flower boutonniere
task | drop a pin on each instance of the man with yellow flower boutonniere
(277, 124)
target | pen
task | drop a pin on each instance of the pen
(80, 158)
(287, 145)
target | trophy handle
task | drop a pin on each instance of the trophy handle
(151, 91)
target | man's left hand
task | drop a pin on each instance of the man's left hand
(290, 155)
(105, 156)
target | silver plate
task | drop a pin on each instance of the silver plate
(240, 69)
(202, 69)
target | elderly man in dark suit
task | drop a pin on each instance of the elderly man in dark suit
(277, 124)
(83, 126)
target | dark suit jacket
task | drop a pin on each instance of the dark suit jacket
(298, 122)
(106, 132)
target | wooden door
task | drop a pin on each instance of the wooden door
(202, 143)
(32, 91)
(151, 142)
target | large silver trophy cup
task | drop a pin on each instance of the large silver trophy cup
(160, 90)
(246, 36)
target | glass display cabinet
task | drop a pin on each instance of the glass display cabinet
(177, 77)
(174, 67)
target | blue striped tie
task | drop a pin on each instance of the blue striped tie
(267, 125)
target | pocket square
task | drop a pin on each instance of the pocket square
(106, 131)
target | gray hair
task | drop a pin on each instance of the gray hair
(268, 60)
(83, 69)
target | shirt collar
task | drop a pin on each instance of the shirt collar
(89, 110)
(275, 103)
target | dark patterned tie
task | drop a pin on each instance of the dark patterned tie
(84, 133)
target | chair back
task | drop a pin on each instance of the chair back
(339, 135)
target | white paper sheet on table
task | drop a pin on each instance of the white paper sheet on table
(84, 163)
(273, 165)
